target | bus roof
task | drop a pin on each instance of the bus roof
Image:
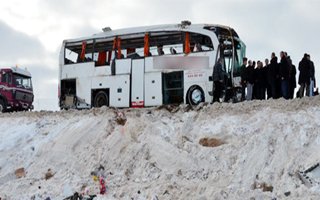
(198, 28)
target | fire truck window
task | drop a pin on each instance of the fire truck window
(5, 78)
(9, 79)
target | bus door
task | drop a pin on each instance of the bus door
(137, 83)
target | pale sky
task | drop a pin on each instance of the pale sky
(32, 31)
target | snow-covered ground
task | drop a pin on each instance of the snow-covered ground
(156, 154)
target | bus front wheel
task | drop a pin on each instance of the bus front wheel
(195, 95)
(101, 99)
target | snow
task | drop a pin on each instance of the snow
(156, 154)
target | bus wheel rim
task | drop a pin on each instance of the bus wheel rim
(196, 96)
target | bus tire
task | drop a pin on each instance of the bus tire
(101, 99)
(195, 95)
(2, 106)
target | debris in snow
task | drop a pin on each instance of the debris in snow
(49, 174)
(287, 193)
(121, 118)
(264, 186)
(20, 173)
(211, 142)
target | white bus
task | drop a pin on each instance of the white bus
(148, 66)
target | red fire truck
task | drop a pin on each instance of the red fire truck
(16, 93)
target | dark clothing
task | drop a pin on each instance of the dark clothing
(304, 68)
(217, 91)
(218, 73)
(311, 70)
(272, 76)
(249, 74)
(218, 77)
(243, 82)
(284, 69)
(284, 89)
(260, 83)
(242, 73)
(284, 77)
(292, 81)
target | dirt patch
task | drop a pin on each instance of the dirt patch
(49, 174)
(20, 172)
(211, 142)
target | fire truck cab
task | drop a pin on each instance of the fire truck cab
(16, 93)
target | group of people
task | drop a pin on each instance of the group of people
(274, 79)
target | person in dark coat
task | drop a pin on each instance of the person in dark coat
(272, 75)
(292, 78)
(312, 77)
(218, 77)
(304, 75)
(266, 72)
(249, 77)
(284, 75)
(243, 78)
(259, 83)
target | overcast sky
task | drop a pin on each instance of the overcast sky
(32, 31)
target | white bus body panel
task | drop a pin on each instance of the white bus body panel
(153, 89)
(82, 72)
(137, 83)
(123, 66)
(119, 88)
(149, 66)
(102, 71)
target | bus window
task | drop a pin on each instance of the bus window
(74, 51)
(71, 56)
(103, 53)
(201, 43)
(166, 43)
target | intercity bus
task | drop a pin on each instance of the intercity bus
(149, 66)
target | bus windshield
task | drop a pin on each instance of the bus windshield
(240, 50)
(22, 81)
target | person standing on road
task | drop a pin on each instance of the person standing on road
(292, 78)
(272, 75)
(218, 77)
(243, 79)
(304, 75)
(249, 77)
(284, 75)
(312, 77)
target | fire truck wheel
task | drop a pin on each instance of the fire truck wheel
(2, 106)
(195, 95)
(101, 99)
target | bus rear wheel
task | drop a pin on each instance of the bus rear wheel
(2, 106)
(195, 95)
(101, 99)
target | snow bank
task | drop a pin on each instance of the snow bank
(156, 154)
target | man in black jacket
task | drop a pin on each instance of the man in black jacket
(249, 77)
(304, 76)
(312, 77)
(284, 75)
(292, 78)
(218, 78)
(272, 75)
(243, 78)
